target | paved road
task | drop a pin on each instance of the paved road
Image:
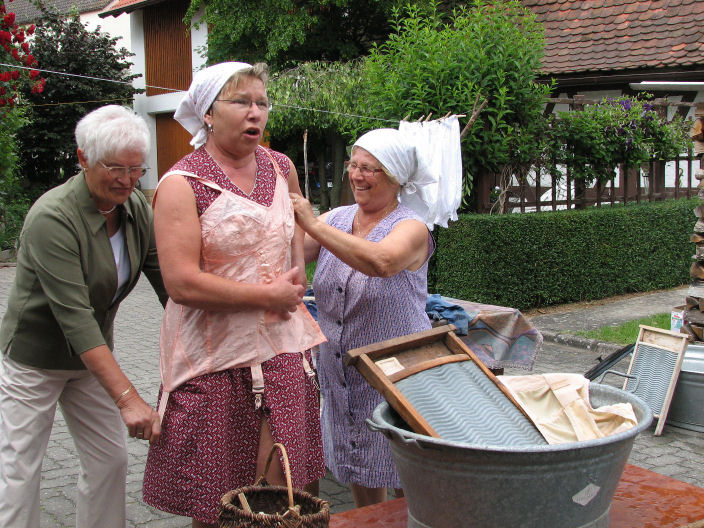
(677, 453)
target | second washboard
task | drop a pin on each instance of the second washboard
(441, 389)
(655, 368)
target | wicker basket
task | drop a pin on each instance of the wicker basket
(263, 506)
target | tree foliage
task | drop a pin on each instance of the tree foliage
(320, 98)
(314, 94)
(286, 32)
(66, 45)
(437, 64)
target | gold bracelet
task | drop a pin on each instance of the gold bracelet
(116, 400)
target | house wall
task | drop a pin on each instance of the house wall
(114, 26)
(154, 108)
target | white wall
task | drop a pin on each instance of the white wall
(114, 26)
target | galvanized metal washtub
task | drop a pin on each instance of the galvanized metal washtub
(454, 485)
(687, 407)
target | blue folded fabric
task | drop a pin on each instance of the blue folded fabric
(438, 308)
(311, 305)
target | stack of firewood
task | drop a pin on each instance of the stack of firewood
(694, 303)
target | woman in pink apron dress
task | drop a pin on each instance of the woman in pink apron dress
(236, 376)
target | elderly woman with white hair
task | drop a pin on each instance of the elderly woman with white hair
(370, 284)
(235, 366)
(82, 249)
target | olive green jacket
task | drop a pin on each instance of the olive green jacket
(60, 304)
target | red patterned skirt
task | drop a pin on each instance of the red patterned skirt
(210, 436)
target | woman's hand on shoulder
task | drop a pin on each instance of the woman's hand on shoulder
(303, 210)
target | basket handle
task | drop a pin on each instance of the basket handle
(287, 471)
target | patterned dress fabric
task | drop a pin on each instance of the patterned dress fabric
(356, 310)
(210, 429)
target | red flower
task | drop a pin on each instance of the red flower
(33, 74)
(25, 47)
(2, 90)
(5, 77)
(15, 74)
(9, 19)
(30, 29)
(5, 36)
(2, 101)
(19, 36)
(28, 60)
(15, 54)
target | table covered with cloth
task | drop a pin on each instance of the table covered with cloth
(500, 336)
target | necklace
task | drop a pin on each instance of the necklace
(108, 211)
(357, 225)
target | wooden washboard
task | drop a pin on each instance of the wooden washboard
(389, 364)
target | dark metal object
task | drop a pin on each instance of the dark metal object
(608, 362)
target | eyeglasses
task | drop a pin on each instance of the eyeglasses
(363, 169)
(117, 170)
(243, 103)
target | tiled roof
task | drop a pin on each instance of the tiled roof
(26, 12)
(126, 6)
(605, 35)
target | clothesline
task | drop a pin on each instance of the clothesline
(294, 107)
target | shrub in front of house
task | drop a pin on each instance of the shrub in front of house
(532, 260)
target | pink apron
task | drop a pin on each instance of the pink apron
(247, 242)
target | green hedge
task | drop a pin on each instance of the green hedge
(539, 259)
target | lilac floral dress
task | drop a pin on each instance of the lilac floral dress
(354, 310)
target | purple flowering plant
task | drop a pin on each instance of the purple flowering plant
(594, 141)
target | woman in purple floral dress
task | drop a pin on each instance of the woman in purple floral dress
(370, 285)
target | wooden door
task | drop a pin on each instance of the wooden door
(172, 142)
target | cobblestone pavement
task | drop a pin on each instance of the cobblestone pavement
(677, 453)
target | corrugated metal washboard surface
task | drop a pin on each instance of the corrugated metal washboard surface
(463, 405)
(653, 368)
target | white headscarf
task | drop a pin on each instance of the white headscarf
(205, 87)
(430, 186)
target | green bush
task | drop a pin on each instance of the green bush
(13, 208)
(532, 260)
(13, 200)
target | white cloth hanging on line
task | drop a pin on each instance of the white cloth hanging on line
(438, 143)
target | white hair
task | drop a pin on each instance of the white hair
(109, 130)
